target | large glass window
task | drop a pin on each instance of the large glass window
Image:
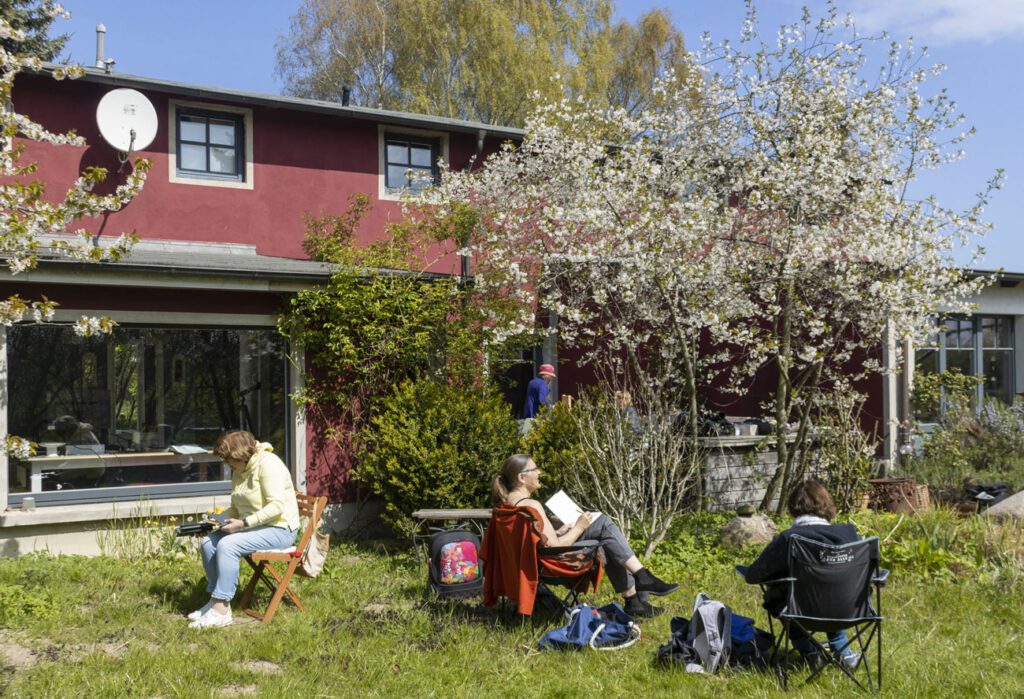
(980, 346)
(139, 408)
(997, 357)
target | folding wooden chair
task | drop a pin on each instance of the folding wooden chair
(262, 562)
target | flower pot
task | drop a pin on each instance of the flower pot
(899, 495)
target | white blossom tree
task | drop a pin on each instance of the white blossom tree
(30, 219)
(770, 224)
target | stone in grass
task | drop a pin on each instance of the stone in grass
(747, 531)
(1010, 508)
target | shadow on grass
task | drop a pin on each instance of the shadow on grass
(501, 616)
(180, 595)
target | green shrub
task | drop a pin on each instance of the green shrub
(554, 444)
(939, 543)
(18, 603)
(436, 445)
(984, 445)
(847, 457)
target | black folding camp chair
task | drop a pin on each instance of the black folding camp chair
(829, 589)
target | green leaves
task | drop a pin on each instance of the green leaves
(436, 444)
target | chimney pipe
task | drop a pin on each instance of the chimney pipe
(346, 95)
(101, 50)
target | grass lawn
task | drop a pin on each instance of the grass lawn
(101, 627)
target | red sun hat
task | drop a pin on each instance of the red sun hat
(546, 369)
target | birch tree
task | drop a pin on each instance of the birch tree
(474, 59)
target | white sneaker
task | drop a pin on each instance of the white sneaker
(850, 660)
(211, 619)
(199, 612)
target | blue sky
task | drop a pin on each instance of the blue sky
(230, 43)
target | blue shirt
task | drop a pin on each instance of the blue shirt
(537, 394)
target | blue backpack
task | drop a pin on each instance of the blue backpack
(751, 646)
(600, 628)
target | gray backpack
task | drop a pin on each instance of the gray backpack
(710, 632)
(703, 643)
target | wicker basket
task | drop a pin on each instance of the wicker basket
(901, 495)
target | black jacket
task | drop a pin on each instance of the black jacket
(773, 563)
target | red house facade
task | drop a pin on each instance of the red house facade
(195, 350)
(127, 418)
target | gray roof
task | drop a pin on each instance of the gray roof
(219, 264)
(1003, 278)
(169, 263)
(115, 79)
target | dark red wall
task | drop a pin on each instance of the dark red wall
(302, 162)
(120, 298)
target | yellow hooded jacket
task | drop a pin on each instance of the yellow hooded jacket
(262, 492)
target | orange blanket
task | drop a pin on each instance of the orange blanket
(510, 558)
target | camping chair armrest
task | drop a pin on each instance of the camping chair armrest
(776, 581)
(581, 545)
(742, 571)
(880, 577)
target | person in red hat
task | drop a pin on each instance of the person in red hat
(538, 391)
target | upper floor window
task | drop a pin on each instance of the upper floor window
(210, 144)
(410, 162)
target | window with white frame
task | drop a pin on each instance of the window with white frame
(210, 145)
(981, 346)
(129, 414)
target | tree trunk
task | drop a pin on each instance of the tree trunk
(782, 397)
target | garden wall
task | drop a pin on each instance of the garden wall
(737, 471)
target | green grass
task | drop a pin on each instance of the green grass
(101, 627)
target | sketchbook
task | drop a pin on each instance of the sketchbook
(567, 511)
(188, 449)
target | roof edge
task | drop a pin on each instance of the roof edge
(115, 79)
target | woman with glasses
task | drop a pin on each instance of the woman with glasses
(515, 485)
(263, 515)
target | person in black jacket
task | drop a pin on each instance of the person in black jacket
(812, 508)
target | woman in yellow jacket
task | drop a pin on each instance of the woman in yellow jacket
(263, 515)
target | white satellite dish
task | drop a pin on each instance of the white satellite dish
(127, 120)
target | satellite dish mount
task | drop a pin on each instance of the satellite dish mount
(127, 122)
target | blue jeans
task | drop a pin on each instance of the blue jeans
(837, 641)
(221, 553)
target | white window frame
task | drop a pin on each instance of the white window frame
(176, 177)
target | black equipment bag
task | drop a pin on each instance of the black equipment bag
(454, 562)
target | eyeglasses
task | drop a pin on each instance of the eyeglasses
(535, 468)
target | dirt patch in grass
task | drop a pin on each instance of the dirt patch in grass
(16, 656)
(387, 606)
(243, 619)
(237, 690)
(260, 666)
